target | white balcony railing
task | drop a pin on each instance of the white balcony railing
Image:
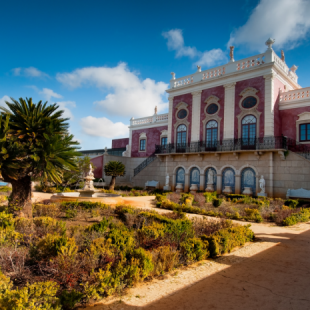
(295, 95)
(241, 65)
(156, 118)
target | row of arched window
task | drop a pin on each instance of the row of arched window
(248, 178)
(248, 131)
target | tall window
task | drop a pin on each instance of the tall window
(142, 145)
(211, 133)
(164, 141)
(304, 132)
(181, 135)
(248, 130)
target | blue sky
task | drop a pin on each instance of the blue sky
(106, 61)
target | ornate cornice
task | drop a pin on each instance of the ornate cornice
(269, 76)
(196, 93)
(230, 85)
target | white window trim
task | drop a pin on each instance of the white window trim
(304, 118)
(143, 137)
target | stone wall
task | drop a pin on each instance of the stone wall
(280, 175)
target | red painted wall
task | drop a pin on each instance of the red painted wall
(118, 143)
(98, 162)
(153, 137)
(259, 84)
(277, 118)
(220, 93)
(187, 98)
(289, 118)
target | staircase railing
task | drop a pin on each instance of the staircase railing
(300, 149)
(144, 164)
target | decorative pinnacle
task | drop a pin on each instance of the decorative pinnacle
(269, 43)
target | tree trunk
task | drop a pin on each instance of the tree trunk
(20, 199)
(112, 183)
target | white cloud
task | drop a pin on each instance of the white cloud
(64, 105)
(103, 127)
(29, 72)
(3, 99)
(286, 21)
(175, 42)
(129, 96)
(49, 93)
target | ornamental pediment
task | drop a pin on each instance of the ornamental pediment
(305, 116)
(249, 91)
(212, 99)
(181, 105)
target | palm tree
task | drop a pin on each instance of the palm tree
(35, 144)
(114, 169)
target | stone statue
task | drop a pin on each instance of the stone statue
(90, 171)
(262, 184)
(282, 56)
(105, 150)
(210, 177)
(155, 110)
(173, 75)
(167, 180)
(199, 68)
(231, 54)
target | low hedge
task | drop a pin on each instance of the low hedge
(302, 216)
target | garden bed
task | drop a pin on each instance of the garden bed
(78, 252)
(238, 207)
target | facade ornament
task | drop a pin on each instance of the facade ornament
(155, 110)
(269, 43)
(282, 56)
(262, 184)
(173, 75)
(198, 68)
(231, 54)
(106, 150)
(294, 68)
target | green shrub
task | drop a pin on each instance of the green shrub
(217, 202)
(165, 258)
(237, 196)
(99, 227)
(48, 225)
(9, 237)
(5, 189)
(302, 216)
(187, 198)
(224, 240)
(69, 299)
(253, 215)
(194, 249)
(71, 214)
(291, 203)
(209, 196)
(50, 210)
(6, 220)
(123, 210)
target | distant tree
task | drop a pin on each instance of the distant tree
(114, 169)
(34, 142)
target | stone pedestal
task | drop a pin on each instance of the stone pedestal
(210, 188)
(193, 189)
(247, 191)
(227, 190)
(167, 188)
(262, 195)
(179, 188)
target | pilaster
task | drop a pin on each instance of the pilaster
(229, 111)
(173, 182)
(202, 182)
(269, 105)
(196, 103)
(186, 184)
(169, 137)
(219, 184)
(237, 184)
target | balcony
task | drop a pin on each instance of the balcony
(229, 145)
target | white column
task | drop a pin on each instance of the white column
(196, 102)
(186, 184)
(269, 105)
(229, 111)
(202, 182)
(270, 187)
(219, 184)
(170, 119)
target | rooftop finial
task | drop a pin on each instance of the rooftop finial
(282, 56)
(198, 68)
(173, 75)
(294, 68)
(231, 54)
(269, 43)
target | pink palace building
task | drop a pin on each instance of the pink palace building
(226, 128)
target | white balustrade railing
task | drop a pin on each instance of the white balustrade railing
(297, 94)
(232, 67)
(149, 119)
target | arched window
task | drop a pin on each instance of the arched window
(181, 137)
(228, 179)
(195, 176)
(180, 176)
(211, 177)
(248, 179)
(211, 134)
(248, 131)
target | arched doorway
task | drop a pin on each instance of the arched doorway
(228, 179)
(213, 172)
(248, 179)
(181, 138)
(248, 132)
(211, 134)
(195, 177)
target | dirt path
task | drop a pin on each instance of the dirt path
(271, 274)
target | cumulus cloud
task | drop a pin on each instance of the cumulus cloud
(29, 72)
(3, 99)
(127, 94)
(286, 21)
(175, 42)
(103, 127)
(49, 93)
(65, 106)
